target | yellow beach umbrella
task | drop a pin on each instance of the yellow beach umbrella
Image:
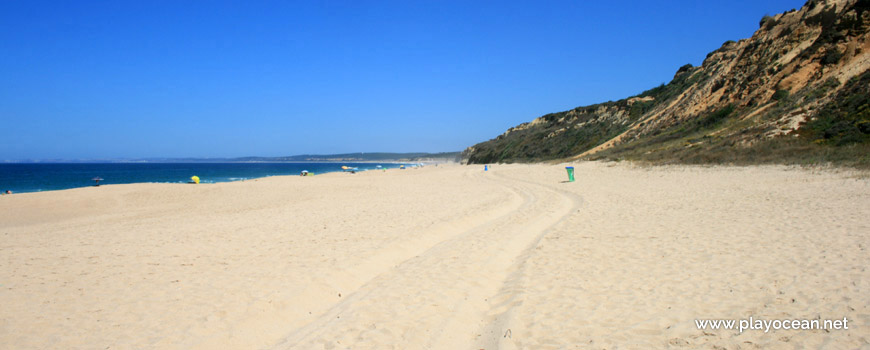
(344, 167)
(195, 179)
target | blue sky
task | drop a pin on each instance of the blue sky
(129, 79)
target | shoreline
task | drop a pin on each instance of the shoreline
(232, 179)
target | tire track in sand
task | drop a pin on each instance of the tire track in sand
(440, 299)
(266, 328)
(498, 332)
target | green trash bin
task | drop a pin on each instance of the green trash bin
(570, 173)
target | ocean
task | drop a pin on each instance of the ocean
(30, 177)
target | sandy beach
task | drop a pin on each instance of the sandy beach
(447, 257)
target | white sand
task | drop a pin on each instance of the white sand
(441, 258)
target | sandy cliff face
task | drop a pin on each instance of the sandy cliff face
(766, 86)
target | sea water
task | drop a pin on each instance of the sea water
(36, 177)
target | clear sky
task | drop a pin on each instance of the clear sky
(129, 79)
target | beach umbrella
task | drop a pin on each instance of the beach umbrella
(97, 180)
(195, 179)
(344, 167)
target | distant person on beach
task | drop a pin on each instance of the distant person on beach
(8, 192)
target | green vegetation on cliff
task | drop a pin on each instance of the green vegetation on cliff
(796, 92)
(839, 133)
(550, 138)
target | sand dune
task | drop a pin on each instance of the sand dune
(441, 258)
